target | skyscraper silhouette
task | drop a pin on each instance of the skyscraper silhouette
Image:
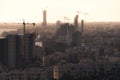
(82, 26)
(44, 18)
(76, 23)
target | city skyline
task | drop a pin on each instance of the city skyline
(31, 10)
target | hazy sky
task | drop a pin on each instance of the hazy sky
(31, 10)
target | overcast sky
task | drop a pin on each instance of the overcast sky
(31, 10)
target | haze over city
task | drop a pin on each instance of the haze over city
(31, 10)
(59, 40)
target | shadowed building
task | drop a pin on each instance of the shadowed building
(11, 44)
(3, 51)
(19, 51)
(76, 38)
(29, 48)
(63, 34)
(12, 50)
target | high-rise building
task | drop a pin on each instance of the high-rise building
(44, 24)
(63, 34)
(11, 48)
(76, 38)
(19, 51)
(12, 52)
(3, 51)
(82, 26)
(76, 23)
(29, 52)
